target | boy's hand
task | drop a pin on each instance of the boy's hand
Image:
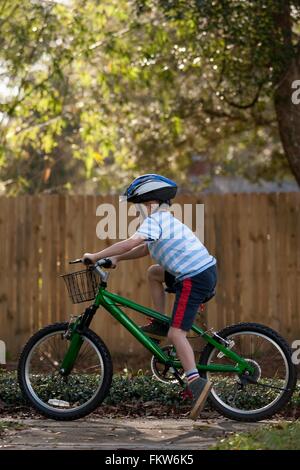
(114, 261)
(89, 258)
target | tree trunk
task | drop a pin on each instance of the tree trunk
(288, 113)
(288, 116)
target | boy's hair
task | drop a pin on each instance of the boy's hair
(168, 202)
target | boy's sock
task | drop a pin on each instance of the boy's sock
(191, 375)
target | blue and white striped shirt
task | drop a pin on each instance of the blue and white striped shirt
(174, 246)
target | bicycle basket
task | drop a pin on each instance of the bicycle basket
(81, 285)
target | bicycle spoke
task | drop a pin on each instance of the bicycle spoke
(268, 386)
(53, 390)
(232, 400)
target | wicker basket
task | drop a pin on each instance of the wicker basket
(82, 285)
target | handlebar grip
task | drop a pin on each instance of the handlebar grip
(105, 263)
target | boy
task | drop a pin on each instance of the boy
(179, 254)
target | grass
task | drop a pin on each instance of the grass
(282, 436)
(9, 425)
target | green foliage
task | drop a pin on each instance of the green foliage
(9, 389)
(125, 389)
(9, 425)
(106, 90)
(281, 436)
(143, 388)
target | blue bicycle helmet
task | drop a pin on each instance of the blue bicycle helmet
(150, 187)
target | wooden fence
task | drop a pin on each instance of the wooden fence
(255, 238)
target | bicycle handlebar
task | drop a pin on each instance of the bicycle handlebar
(105, 262)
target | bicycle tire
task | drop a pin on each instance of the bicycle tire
(292, 379)
(84, 410)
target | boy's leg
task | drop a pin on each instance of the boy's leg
(183, 348)
(156, 277)
(189, 295)
(199, 387)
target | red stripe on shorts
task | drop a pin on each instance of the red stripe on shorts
(182, 303)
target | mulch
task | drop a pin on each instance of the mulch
(135, 410)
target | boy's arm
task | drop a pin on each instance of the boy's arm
(119, 248)
(137, 252)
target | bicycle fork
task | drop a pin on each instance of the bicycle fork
(74, 334)
(71, 355)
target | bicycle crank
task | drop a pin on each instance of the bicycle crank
(163, 372)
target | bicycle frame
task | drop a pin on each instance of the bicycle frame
(111, 302)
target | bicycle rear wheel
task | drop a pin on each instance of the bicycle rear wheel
(272, 383)
(50, 393)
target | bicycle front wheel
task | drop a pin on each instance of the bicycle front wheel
(50, 393)
(272, 383)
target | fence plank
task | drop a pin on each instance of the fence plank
(296, 198)
(35, 263)
(281, 253)
(4, 268)
(46, 255)
(272, 261)
(62, 260)
(292, 210)
(23, 318)
(12, 223)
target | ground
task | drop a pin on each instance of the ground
(119, 433)
(139, 413)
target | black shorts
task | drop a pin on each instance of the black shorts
(170, 283)
(190, 294)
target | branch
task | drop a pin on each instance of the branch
(115, 34)
(39, 85)
(9, 16)
(39, 125)
(4, 3)
(248, 105)
(207, 109)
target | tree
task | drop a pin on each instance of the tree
(38, 42)
(254, 52)
(104, 90)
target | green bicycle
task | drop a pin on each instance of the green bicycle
(65, 369)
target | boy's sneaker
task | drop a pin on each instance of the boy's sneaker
(155, 329)
(200, 389)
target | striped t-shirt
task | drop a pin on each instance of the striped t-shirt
(174, 246)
